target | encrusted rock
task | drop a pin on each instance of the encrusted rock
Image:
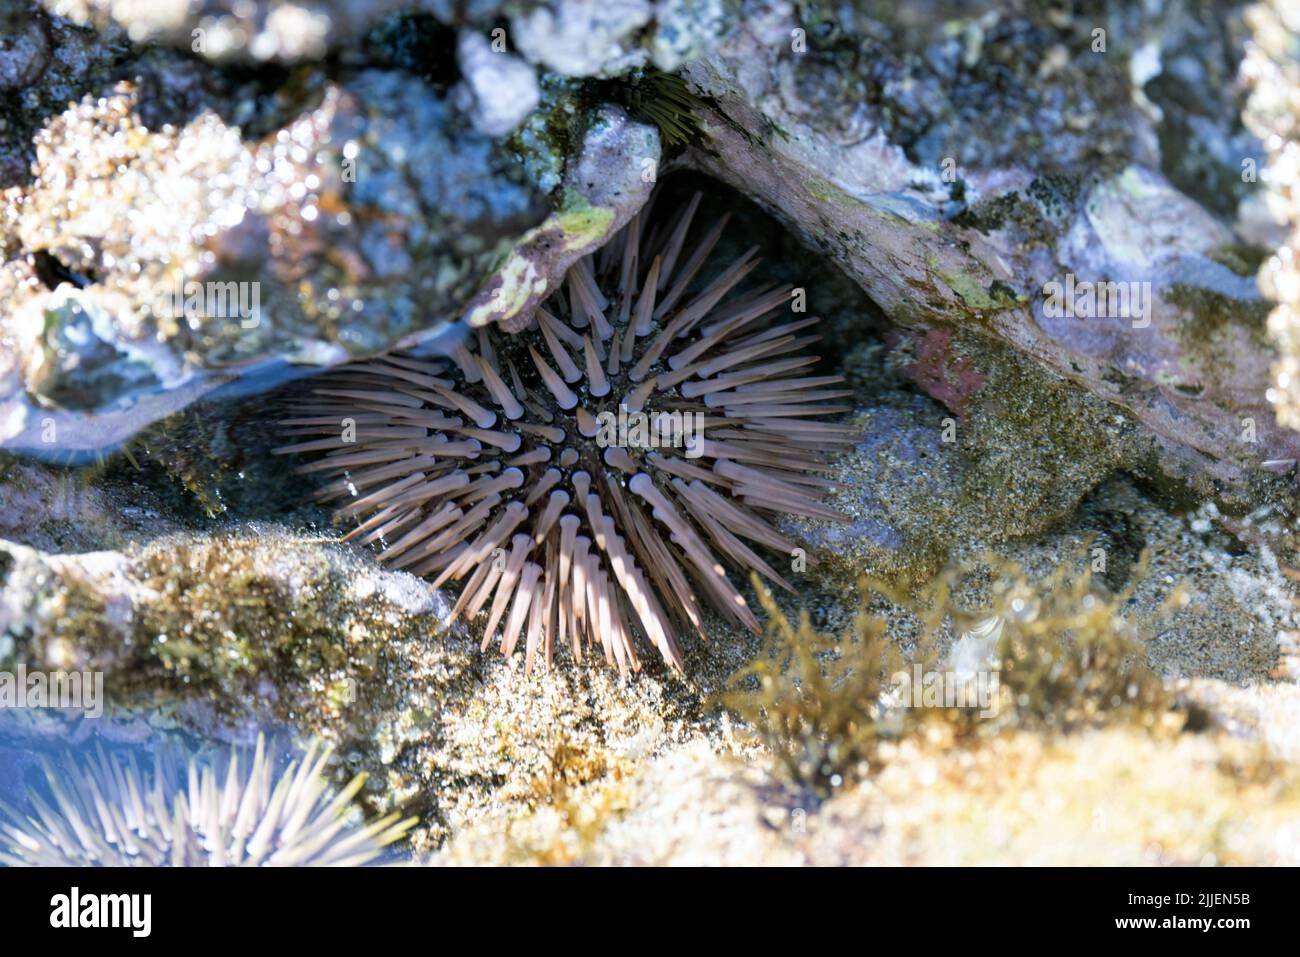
(1272, 68)
(284, 30)
(167, 252)
(858, 150)
(608, 181)
(499, 89)
(583, 37)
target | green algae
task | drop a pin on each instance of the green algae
(972, 291)
(812, 698)
(582, 223)
(1067, 656)
(827, 192)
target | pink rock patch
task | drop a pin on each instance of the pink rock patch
(941, 374)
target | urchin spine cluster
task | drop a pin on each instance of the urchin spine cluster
(486, 468)
(109, 813)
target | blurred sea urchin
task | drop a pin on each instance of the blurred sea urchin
(516, 468)
(231, 812)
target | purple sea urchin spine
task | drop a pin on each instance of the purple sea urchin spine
(496, 468)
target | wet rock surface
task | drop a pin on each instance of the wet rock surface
(870, 168)
(1272, 70)
(319, 243)
(282, 30)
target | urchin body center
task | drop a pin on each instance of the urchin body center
(612, 418)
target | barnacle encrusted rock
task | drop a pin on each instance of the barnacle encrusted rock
(319, 238)
(285, 30)
(1114, 795)
(1273, 69)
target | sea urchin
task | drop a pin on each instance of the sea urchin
(108, 813)
(585, 474)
